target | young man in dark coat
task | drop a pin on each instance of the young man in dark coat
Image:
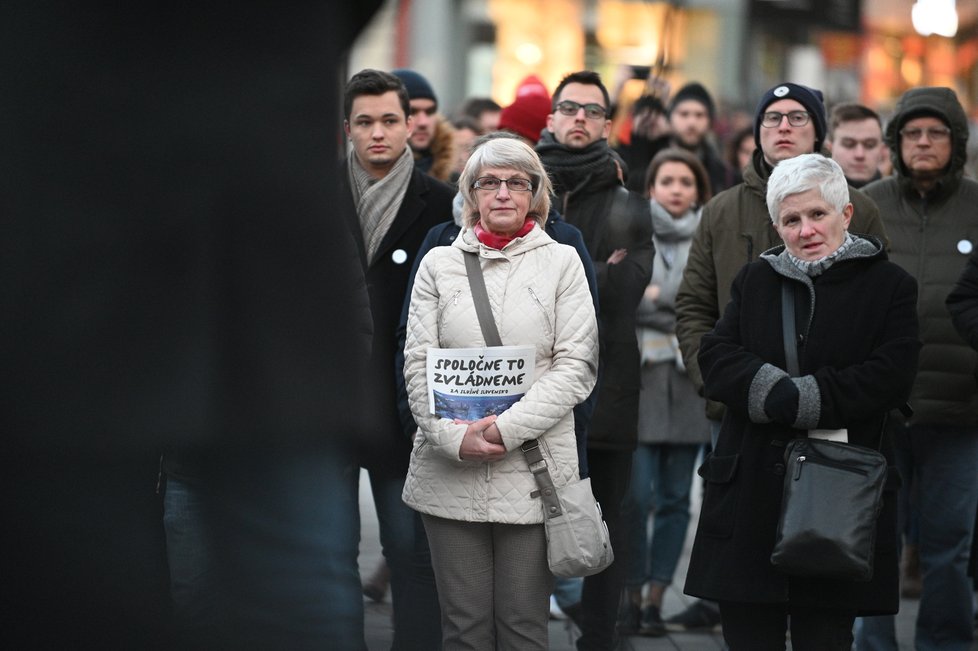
(930, 216)
(396, 205)
(617, 229)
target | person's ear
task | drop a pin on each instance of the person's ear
(847, 215)
(607, 129)
(346, 128)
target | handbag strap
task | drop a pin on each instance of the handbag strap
(531, 449)
(481, 297)
(791, 341)
(788, 328)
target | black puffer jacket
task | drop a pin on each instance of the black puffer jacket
(931, 237)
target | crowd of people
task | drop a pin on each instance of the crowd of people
(657, 348)
(647, 279)
(643, 267)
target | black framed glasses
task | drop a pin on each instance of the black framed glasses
(934, 134)
(513, 184)
(773, 119)
(591, 111)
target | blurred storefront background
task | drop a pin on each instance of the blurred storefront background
(855, 50)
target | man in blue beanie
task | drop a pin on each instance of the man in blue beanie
(735, 229)
(432, 139)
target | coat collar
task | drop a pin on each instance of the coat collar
(467, 241)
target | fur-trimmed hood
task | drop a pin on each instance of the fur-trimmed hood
(439, 158)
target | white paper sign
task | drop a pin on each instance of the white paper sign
(840, 435)
(472, 383)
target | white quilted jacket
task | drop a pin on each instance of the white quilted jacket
(539, 296)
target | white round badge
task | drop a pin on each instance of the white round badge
(399, 256)
(965, 247)
(781, 91)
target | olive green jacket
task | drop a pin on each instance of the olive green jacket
(736, 229)
(931, 238)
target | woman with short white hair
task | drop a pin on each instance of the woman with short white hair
(857, 344)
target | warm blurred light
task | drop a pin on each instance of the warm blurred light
(529, 54)
(912, 71)
(935, 17)
(540, 37)
(631, 30)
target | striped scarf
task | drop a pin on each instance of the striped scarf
(378, 200)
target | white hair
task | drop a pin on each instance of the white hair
(804, 173)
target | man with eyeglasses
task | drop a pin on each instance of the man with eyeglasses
(855, 142)
(736, 229)
(931, 214)
(617, 229)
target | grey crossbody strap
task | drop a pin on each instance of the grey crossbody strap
(531, 449)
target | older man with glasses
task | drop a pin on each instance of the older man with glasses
(735, 229)
(931, 217)
(617, 228)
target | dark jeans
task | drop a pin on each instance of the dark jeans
(263, 554)
(762, 627)
(610, 472)
(414, 597)
(944, 495)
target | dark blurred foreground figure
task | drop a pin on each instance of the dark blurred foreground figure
(175, 275)
(854, 370)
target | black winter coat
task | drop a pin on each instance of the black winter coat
(426, 203)
(861, 344)
(611, 217)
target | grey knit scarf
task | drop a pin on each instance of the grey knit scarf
(849, 248)
(378, 200)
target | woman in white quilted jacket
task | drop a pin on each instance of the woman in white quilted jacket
(469, 478)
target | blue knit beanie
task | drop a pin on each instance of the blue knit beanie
(417, 86)
(810, 98)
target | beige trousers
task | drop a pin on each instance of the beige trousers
(494, 584)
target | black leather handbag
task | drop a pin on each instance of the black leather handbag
(832, 496)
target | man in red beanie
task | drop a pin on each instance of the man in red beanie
(526, 116)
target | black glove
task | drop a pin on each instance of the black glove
(781, 404)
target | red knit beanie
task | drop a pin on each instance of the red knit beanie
(526, 116)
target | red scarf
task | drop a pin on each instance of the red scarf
(499, 241)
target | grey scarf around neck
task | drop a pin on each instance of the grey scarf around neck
(378, 200)
(788, 265)
(669, 232)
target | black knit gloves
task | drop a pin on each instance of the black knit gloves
(781, 405)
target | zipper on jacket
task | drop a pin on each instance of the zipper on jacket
(750, 246)
(922, 260)
(542, 308)
(455, 298)
(821, 461)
